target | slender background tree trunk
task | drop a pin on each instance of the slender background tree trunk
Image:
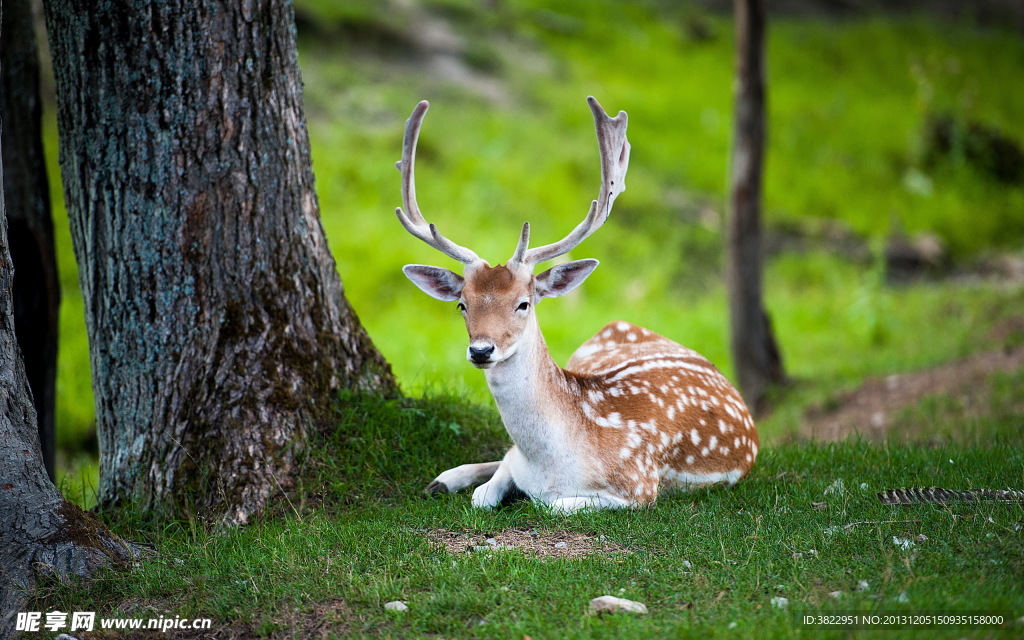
(218, 327)
(755, 351)
(30, 227)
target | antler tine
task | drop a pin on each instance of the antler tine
(614, 149)
(524, 243)
(413, 221)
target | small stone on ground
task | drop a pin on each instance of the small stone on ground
(611, 604)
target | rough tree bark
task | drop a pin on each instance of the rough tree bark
(40, 533)
(30, 227)
(219, 331)
(755, 351)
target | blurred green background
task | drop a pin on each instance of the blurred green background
(886, 130)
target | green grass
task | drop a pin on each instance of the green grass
(354, 537)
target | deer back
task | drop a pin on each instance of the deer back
(655, 410)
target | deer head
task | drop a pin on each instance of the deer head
(498, 302)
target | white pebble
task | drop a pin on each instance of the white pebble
(396, 605)
(611, 604)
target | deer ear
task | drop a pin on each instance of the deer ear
(436, 282)
(560, 280)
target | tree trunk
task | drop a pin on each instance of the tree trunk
(755, 351)
(218, 328)
(27, 194)
(40, 533)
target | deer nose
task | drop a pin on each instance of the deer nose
(480, 354)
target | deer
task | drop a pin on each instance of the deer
(632, 412)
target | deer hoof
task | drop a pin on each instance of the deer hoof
(436, 487)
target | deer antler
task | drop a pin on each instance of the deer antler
(413, 221)
(614, 148)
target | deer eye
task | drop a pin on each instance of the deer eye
(523, 306)
(461, 307)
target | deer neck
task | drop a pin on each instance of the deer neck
(529, 389)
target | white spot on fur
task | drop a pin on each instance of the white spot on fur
(588, 350)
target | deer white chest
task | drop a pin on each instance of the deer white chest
(546, 461)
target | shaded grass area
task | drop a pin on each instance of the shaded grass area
(804, 524)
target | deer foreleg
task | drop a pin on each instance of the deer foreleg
(466, 475)
(491, 493)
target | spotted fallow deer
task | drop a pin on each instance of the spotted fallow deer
(632, 412)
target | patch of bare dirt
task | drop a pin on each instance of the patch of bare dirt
(871, 408)
(542, 544)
